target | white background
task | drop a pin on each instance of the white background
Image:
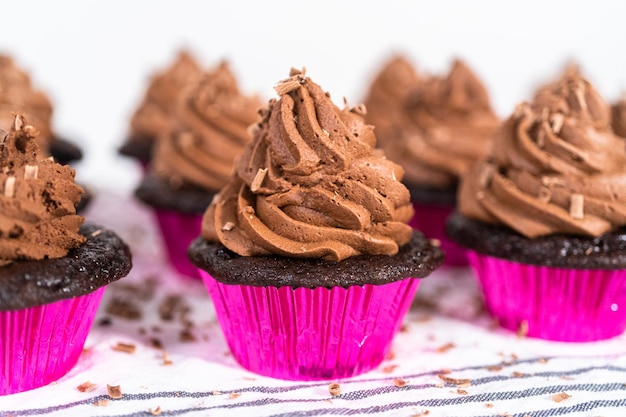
(93, 58)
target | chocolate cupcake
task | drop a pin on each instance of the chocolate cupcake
(195, 159)
(543, 217)
(306, 252)
(446, 124)
(156, 115)
(51, 265)
(17, 94)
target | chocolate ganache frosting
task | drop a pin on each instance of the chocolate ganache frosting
(213, 118)
(18, 94)
(311, 184)
(386, 97)
(556, 167)
(452, 127)
(38, 218)
(156, 113)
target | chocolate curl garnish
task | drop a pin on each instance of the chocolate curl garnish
(9, 187)
(31, 172)
(295, 80)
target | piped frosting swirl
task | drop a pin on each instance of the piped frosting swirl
(452, 125)
(213, 122)
(311, 184)
(556, 167)
(157, 112)
(37, 202)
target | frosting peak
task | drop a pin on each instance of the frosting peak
(451, 127)
(555, 168)
(574, 96)
(311, 184)
(212, 131)
(156, 113)
(38, 216)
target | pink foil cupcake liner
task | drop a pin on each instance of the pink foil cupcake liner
(431, 220)
(41, 344)
(310, 334)
(178, 230)
(570, 305)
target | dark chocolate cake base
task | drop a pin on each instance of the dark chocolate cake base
(416, 259)
(432, 196)
(102, 259)
(138, 148)
(64, 151)
(156, 192)
(561, 251)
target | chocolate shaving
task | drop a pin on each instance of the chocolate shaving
(399, 382)
(123, 308)
(228, 226)
(465, 382)
(31, 172)
(86, 387)
(557, 122)
(334, 389)
(101, 403)
(258, 180)
(461, 391)
(446, 347)
(577, 206)
(562, 396)
(156, 411)
(114, 391)
(289, 85)
(124, 347)
(234, 395)
(9, 187)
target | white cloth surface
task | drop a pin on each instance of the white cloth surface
(446, 333)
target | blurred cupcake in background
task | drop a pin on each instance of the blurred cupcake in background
(157, 112)
(441, 125)
(17, 94)
(194, 158)
(544, 217)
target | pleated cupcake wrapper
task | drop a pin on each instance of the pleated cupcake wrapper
(553, 303)
(41, 344)
(310, 334)
(178, 230)
(431, 220)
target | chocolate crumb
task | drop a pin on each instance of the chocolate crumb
(461, 391)
(234, 395)
(334, 389)
(422, 414)
(399, 382)
(446, 347)
(101, 403)
(561, 396)
(494, 368)
(86, 387)
(105, 321)
(114, 391)
(187, 336)
(166, 359)
(489, 405)
(155, 343)
(120, 307)
(171, 306)
(519, 374)
(124, 347)
(156, 411)
(216, 393)
(522, 330)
